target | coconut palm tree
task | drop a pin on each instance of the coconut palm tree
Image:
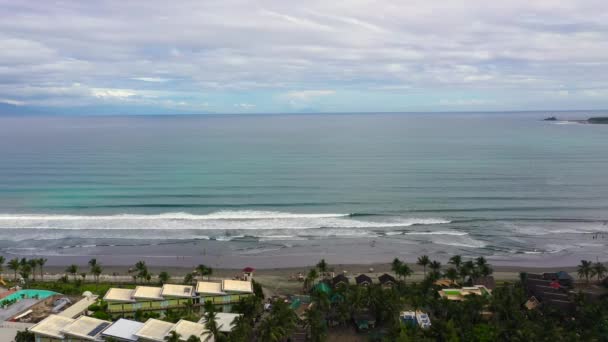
(211, 321)
(193, 338)
(41, 262)
(404, 272)
(395, 265)
(311, 277)
(92, 262)
(25, 271)
(322, 267)
(204, 270)
(73, 270)
(163, 277)
(14, 265)
(451, 274)
(188, 278)
(173, 336)
(33, 264)
(424, 261)
(585, 269)
(2, 261)
(96, 270)
(456, 260)
(598, 269)
(435, 266)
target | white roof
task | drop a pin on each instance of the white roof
(237, 286)
(52, 326)
(171, 290)
(87, 328)
(155, 330)
(148, 292)
(207, 287)
(187, 329)
(123, 329)
(225, 321)
(119, 295)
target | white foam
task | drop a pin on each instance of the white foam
(439, 232)
(222, 220)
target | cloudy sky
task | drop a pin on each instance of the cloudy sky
(232, 56)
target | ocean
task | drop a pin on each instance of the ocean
(503, 185)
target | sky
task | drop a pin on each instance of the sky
(280, 56)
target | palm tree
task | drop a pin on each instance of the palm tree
(188, 278)
(404, 272)
(41, 263)
(599, 270)
(193, 338)
(322, 267)
(211, 321)
(92, 262)
(73, 270)
(204, 270)
(311, 277)
(435, 266)
(14, 265)
(96, 271)
(25, 271)
(2, 261)
(584, 269)
(33, 263)
(451, 274)
(173, 336)
(395, 265)
(163, 277)
(424, 261)
(456, 260)
(25, 336)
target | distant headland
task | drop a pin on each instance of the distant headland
(594, 120)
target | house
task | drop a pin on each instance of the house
(562, 277)
(123, 330)
(423, 320)
(549, 289)
(387, 280)
(532, 303)
(248, 273)
(339, 280)
(488, 282)
(408, 318)
(363, 280)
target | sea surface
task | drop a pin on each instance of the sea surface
(494, 184)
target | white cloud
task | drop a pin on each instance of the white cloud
(12, 102)
(106, 93)
(244, 105)
(151, 79)
(306, 95)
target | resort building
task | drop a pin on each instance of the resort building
(339, 280)
(225, 321)
(413, 318)
(363, 280)
(84, 329)
(123, 330)
(460, 294)
(387, 280)
(169, 296)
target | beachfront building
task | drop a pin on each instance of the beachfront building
(363, 280)
(339, 280)
(459, 294)
(58, 328)
(170, 296)
(415, 318)
(387, 280)
(225, 321)
(85, 329)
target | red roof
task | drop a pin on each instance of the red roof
(248, 269)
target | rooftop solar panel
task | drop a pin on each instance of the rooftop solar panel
(98, 329)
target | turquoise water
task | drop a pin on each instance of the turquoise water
(502, 184)
(42, 294)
